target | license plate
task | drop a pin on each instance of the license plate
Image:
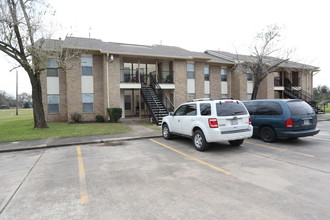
(306, 122)
(234, 122)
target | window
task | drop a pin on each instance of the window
(88, 102)
(224, 96)
(207, 96)
(249, 96)
(205, 108)
(298, 108)
(190, 71)
(251, 107)
(181, 110)
(127, 102)
(191, 96)
(206, 73)
(52, 68)
(269, 108)
(230, 108)
(224, 73)
(191, 110)
(249, 75)
(53, 103)
(87, 66)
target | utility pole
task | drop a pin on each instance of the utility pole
(16, 92)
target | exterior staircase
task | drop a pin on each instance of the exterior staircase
(298, 93)
(158, 103)
(155, 105)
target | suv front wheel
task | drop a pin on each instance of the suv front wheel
(200, 141)
(166, 132)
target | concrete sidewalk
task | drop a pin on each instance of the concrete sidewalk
(140, 132)
(323, 117)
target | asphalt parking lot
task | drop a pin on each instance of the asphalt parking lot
(160, 179)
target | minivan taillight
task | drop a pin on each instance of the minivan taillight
(250, 121)
(213, 123)
(289, 123)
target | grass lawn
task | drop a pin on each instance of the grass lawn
(327, 110)
(19, 128)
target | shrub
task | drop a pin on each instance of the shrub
(99, 118)
(114, 113)
(75, 116)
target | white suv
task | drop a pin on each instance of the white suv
(208, 120)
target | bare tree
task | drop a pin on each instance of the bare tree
(20, 24)
(262, 60)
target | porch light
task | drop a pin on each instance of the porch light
(111, 59)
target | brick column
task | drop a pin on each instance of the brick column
(180, 79)
(73, 80)
(199, 79)
(114, 82)
(215, 81)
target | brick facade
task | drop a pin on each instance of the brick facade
(107, 92)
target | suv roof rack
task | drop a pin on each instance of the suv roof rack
(202, 99)
(224, 99)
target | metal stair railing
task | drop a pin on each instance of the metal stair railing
(154, 101)
(160, 93)
(306, 96)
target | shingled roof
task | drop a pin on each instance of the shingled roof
(130, 49)
(247, 58)
(161, 51)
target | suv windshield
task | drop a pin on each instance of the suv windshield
(230, 108)
(298, 108)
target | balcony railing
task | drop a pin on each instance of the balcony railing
(127, 75)
(164, 76)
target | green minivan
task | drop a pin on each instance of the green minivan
(274, 119)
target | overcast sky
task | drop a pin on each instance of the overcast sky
(193, 25)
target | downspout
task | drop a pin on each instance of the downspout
(107, 89)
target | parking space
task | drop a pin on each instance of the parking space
(161, 179)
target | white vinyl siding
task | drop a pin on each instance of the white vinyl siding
(87, 85)
(224, 88)
(207, 90)
(53, 85)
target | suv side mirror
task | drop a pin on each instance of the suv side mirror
(171, 113)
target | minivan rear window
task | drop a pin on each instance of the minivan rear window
(299, 108)
(230, 108)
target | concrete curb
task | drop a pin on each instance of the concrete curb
(45, 146)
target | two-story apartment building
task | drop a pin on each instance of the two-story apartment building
(145, 80)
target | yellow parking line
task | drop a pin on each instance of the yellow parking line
(281, 149)
(82, 179)
(193, 158)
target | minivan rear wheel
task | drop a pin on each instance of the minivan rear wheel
(236, 142)
(200, 141)
(267, 134)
